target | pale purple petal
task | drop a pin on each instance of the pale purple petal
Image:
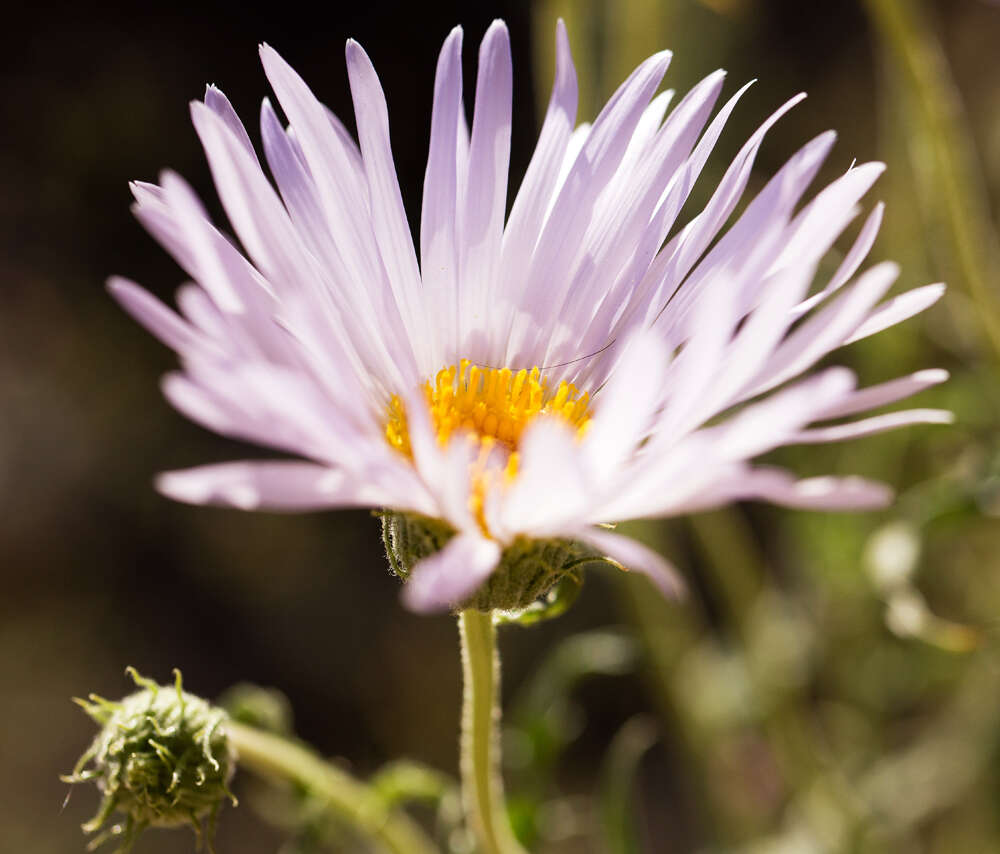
(197, 307)
(330, 163)
(625, 407)
(771, 207)
(333, 169)
(443, 580)
(619, 239)
(572, 210)
(445, 471)
(684, 250)
(628, 298)
(219, 104)
(713, 322)
(646, 131)
(756, 340)
(772, 421)
(889, 392)
(549, 491)
(439, 222)
(251, 204)
(273, 485)
(869, 426)
(897, 310)
(485, 200)
(778, 486)
(190, 218)
(634, 556)
(157, 318)
(271, 238)
(295, 183)
(819, 224)
(533, 198)
(852, 261)
(827, 329)
(194, 402)
(392, 231)
(817, 493)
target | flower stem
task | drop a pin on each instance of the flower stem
(391, 831)
(482, 787)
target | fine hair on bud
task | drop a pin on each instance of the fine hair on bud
(161, 759)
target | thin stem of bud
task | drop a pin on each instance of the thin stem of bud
(391, 831)
(482, 786)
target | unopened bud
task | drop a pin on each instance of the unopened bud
(162, 759)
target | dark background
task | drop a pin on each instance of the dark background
(98, 571)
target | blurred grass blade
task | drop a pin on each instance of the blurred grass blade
(608, 39)
(621, 766)
(595, 653)
(939, 136)
(545, 720)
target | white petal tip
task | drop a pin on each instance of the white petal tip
(849, 493)
(414, 600)
(193, 488)
(180, 488)
(932, 376)
(269, 56)
(876, 166)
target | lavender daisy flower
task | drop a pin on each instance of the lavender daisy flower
(585, 360)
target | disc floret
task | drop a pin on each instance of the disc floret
(494, 405)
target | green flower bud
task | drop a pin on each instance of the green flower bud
(531, 572)
(162, 758)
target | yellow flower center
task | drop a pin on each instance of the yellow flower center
(491, 405)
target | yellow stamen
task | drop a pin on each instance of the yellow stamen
(492, 406)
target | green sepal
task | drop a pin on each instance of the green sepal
(535, 580)
(553, 604)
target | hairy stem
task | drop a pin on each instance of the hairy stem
(482, 787)
(270, 756)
